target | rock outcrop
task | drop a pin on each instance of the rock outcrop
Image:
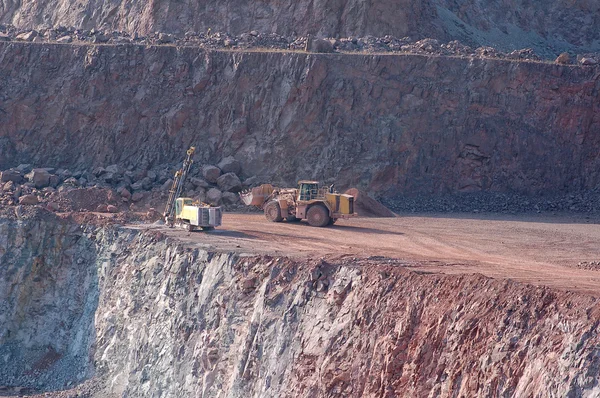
(510, 25)
(150, 315)
(390, 124)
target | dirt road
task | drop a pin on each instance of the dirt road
(543, 250)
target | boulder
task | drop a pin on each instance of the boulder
(230, 198)
(251, 182)
(213, 196)
(98, 171)
(146, 183)
(211, 173)
(28, 200)
(318, 45)
(11, 175)
(588, 61)
(199, 182)
(39, 177)
(100, 38)
(563, 59)
(112, 209)
(72, 181)
(167, 185)
(102, 208)
(54, 180)
(115, 168)
(27, 36)
(136, 197)
(64, 174)
(24, 168)
(8, 186)
(229, 182)
(124, 192)
(229, 165)
(165, 38)
(151, 175)
(111, 178)
(53, 206)
(64, 39)
(366, 206)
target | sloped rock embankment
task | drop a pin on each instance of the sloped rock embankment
(146, 315)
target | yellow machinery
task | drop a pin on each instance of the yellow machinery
(184, 211)
(319, 206)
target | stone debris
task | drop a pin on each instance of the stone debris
(272, 41)
(28, 200)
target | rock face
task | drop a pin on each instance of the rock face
(45, 337)
(388, 124)
(149, 314)
(548, 28)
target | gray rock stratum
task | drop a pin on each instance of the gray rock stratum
(513, 24)
(149, 316)
(388, 123)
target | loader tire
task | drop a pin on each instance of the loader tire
(318, 216)
(273, 212)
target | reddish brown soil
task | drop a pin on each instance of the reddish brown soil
(537, 249)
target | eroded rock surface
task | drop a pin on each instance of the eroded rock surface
(172, 319)
(391, 124)
(510, 25)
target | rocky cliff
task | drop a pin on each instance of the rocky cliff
(391, 123)
(150, 316)
(48, 298)
(512, 24)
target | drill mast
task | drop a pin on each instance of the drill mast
(177, 187)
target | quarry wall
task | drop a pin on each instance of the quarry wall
(512, 24)
(148, 315)
(389, 123)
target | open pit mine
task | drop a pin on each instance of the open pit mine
(429, 174)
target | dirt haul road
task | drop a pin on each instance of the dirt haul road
(557, 251)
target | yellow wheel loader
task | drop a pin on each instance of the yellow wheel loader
(184, 212)
(319, 206)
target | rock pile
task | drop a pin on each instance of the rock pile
(114, 188)
(257, 40)
(586, 202)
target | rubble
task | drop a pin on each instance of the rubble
(272, 41)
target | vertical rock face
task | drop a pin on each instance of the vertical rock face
(392, 123)
(48, 299)
(323, 17)
(507, 24)
(158, 318)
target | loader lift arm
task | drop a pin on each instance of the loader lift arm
(177, 187)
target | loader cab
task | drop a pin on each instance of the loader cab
(179, 203)
(308, 190)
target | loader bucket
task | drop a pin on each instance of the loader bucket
(257, 195)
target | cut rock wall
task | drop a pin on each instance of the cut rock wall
(175, 320)
(513, 24)
(48, 299)
(389, 123)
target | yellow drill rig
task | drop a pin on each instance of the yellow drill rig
(185, 212)
(319, 206)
